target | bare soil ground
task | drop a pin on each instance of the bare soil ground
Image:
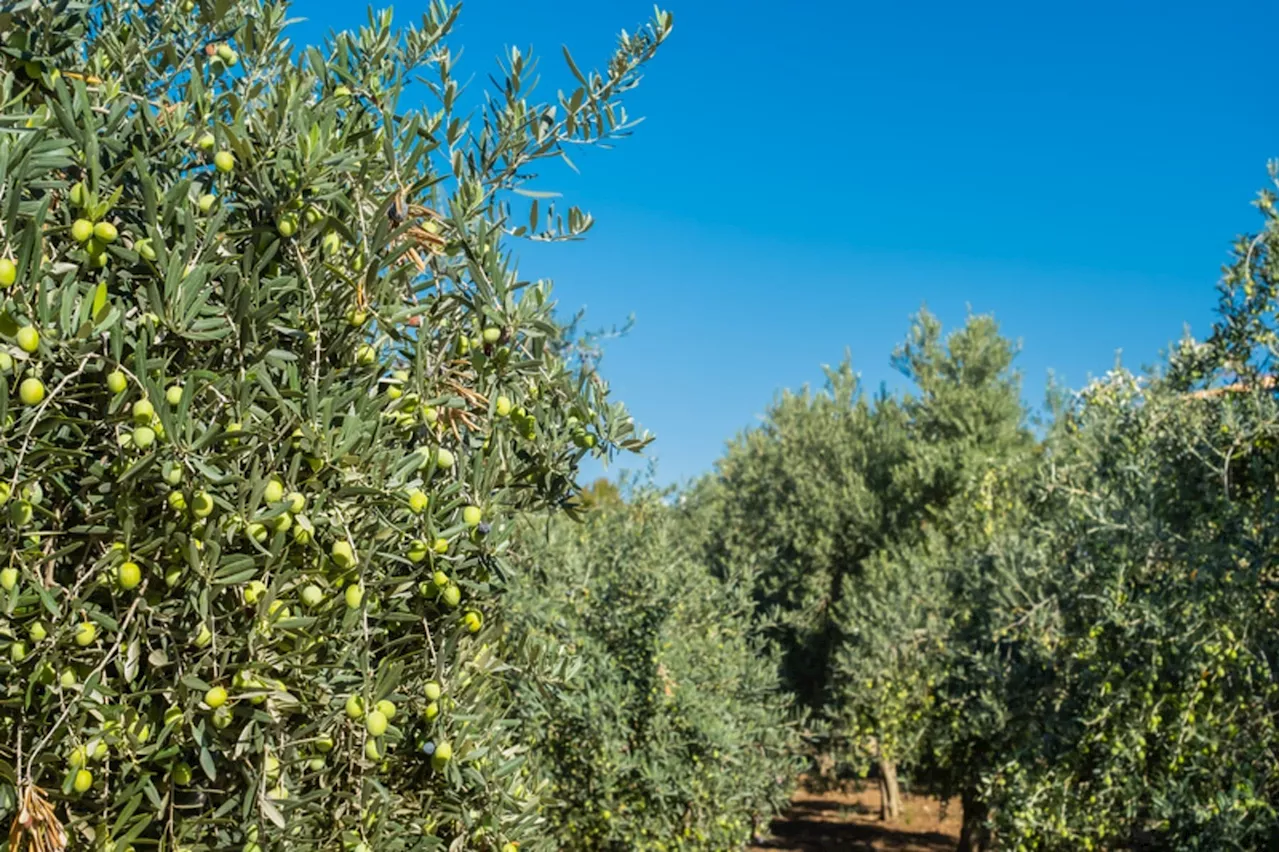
(850, 822)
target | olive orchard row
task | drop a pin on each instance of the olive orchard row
(1073, 633)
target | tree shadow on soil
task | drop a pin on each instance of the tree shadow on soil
(835, 821)
(797, 832)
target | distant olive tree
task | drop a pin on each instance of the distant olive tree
(669, 730)
(828, 508)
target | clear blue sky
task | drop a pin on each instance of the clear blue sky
(808, 175)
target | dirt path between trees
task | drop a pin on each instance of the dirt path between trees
(849, 822)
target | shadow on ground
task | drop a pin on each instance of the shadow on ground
(849, 822)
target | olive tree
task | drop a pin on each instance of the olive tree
(1120, 691)
(962, 442)
(793, 498)
(274, 393)
(1113, 683)
(837, 499)
(669, 730)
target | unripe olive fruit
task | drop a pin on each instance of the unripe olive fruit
(303, 530)
(274, 490)
(253, 591)
(28, 339)
(144, 437)
(376, 723)
(128, 575)
(215, 697)
(86, 633)
(31, 391)
(201, 504)
(342, 554)
(105, 232)
(143, 411)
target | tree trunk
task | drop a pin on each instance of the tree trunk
(974, 834)
(890, 795)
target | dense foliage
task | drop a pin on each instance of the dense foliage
(843, 497)
(1114, 676)
(292, 554)
(273, 394)
(1126, 630)
(672, 732)
(1074, 634)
